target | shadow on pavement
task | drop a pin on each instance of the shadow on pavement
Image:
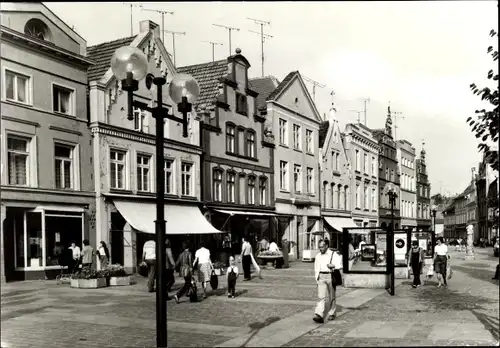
(257, 326)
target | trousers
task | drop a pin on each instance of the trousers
(326, 296)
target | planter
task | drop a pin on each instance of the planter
(120, 281)
(89, 283)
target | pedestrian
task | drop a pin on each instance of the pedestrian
(324, 264)
(231, 276)
(246, 259)
(205, 266)
(149, 258)
(440, 261)
(170, 267)
(87, 253)
(75, 251)
(415, 260)
(103, 253)
(185, 264)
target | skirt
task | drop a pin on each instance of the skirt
(440, 264)
(204, 272)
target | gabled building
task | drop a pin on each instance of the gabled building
(362, 151)
(237, 168)
(124, 156)
(47, 198)
(423, 194)
(295, 122)
(388, 173)
(336, 178)
(408, 197)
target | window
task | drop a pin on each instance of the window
(230, 138)
(139, 119)
(373, 197)
(17, 158)
(283, 175)
(117, 164)
(374, 165)
(241, 104)
(365, 163)
(17, 87)
(168, 166)
(186, 179)
(143, 173)
(358, 196)
(296, 137)
(63, 166)
(251, 190)
(309, 179)
(217, 186)
(62, 100)
(358, 159)
(263, 191)
(297, 178)
(309, 141)
(365, 194)
(250, 151)
(283, 132)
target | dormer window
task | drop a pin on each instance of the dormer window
(38, 29)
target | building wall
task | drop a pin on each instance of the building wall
(359, 138)
(408, 197)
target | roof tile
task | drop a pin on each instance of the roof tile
(102, 54)
(208, 76)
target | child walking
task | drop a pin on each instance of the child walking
(231, 275)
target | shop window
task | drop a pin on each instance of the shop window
(187, 179)
(217, 185)
(17, 87)
(143, 173)
(231, 179)
(117, 169)
(263, 191)
(251, 190)
(63, 157)
(168, 166)
(17, 158)
(62, 98)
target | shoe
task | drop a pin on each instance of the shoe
(332, 317)
(176, 299)
(318, 319)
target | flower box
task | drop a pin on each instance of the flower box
(89, 283)
(120, 281)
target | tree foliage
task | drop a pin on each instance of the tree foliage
(485, 124)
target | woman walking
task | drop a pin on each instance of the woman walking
(103, 253)
(440, 261)
(415, 261)
(205, 266)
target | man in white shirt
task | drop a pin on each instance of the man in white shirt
(149, 257)
(324, 264)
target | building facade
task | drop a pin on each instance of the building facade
(408, 197)
(362, 151)
(47, 198)
(338, 179)
(125, 161)
(388, 173)
(423, 194)
(295, 122)
(237, 169)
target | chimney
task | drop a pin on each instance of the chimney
(148, 25)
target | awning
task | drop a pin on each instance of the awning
(238, 212)
(338, 223)
(181, 219)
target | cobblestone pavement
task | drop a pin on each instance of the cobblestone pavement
(464, 313)
(277, 308)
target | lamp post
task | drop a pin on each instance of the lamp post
(391, 193)
(129, 64)
(433, 237)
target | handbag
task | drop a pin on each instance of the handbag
(214, 281)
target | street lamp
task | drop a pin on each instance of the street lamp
(390, 190)
(129, 64)
(433, 237)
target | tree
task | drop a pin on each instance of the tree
(486, 123)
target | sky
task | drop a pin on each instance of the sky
(419, 56)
